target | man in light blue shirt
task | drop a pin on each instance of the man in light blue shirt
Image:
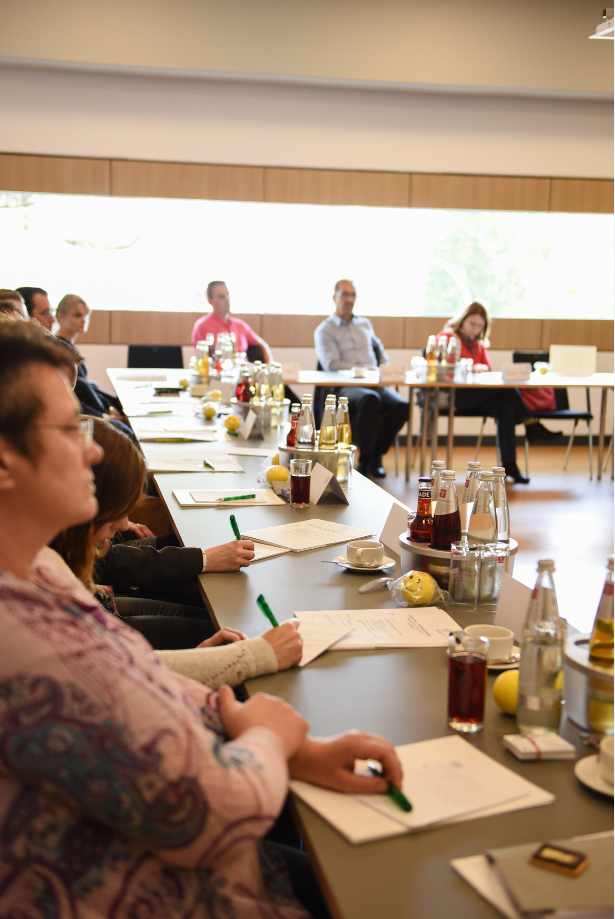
(376, 415)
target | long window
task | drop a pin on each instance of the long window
(159, 254)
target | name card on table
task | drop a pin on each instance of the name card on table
(512, 606)
(516, 373)
(572, 360)
(324, 482)
(396, 524)
(290, 372)
(251, 427)
(392, 373)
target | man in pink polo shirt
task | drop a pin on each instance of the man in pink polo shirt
(220, 320)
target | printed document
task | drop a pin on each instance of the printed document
(318, 638)
(191, 461)
(185, 498)
(387, 628)
(307, 534)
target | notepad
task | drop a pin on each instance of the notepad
(185, 498)
(263, 552)
(149, 436)
(387, 628)
(178, 461)
(446, 779)
(141, 376)
(306, 534)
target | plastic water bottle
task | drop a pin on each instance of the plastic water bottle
(540, 695)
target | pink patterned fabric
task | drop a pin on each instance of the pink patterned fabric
(119, 794)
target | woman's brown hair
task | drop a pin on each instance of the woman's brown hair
(119, 478)
(474, 309)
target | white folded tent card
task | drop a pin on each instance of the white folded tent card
(573, 360)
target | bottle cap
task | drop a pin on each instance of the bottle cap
(438, 464)
(295, 405)
(473, 465)
(499, 470)
(425, 478)
(546, 564)
(449, 474)
(486, 477)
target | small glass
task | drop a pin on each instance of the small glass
(467, 681)
(300, 479)
(464, 575)
(493, 567)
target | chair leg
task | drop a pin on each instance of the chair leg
(591, 450)
(479, 442)
(608, 454)
(574, 427)
(527, 458)
(397, 454)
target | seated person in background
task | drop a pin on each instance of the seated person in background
(12, 304)
(38, 305)
(72, 315)
(162, 786)
(377, 414)
(471, 328)
(220, 320)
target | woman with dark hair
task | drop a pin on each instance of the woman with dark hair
(179, 630)
(471, 328)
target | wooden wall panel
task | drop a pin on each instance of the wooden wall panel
(290, 331)
(151, 328)
(99, 330)
(499, 193)
(592, 196)
(253, 320)
(418, 328)
(62, 175)
(523, 334)
(598, 332)
(337, 186)
(389, 329)
(143, 179)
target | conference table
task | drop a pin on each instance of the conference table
(490, 380)
(399, 693)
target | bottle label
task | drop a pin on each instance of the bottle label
(532, 703)
(446, 501)
(608, 589)
(467, 483)
(425, 493)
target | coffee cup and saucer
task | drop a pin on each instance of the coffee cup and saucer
(502, 655)
(364, 555)
(597, 771)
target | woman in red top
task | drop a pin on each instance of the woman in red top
(505, 405)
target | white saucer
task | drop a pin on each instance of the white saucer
(342, 561)
(586, 770)
(507, 663)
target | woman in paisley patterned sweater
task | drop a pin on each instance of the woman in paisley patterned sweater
(125, 789)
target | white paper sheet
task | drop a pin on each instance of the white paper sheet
(185, 499)
(263, 552)
(141, 376)
(318, 637)
(387, 628)
(169, 434)
(212, 497)
(307, 534)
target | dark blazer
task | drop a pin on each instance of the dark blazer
(124, 567)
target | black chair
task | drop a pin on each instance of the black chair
(562, 411)
(159, 356)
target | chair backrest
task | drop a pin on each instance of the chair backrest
(155, 356)
(530, 357)
(561, 400)
(318, 404)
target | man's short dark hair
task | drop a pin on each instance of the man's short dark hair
(27, 293)
(211, 286)
(22, 345)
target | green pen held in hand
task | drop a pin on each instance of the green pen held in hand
(395, 793)
(234, 527)
(264, 608)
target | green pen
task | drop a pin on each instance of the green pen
(209, 465)
(395, 793)
(233, 433)
(262, 605)
(236, 497)
(161, 411)
(173, 440)
(234, 527)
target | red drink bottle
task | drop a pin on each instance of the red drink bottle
(420, 528)
(446, 522)
(243, 391)
(291, 438)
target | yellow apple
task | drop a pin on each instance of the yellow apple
(232, 423)
(506, 691)
(210, 410)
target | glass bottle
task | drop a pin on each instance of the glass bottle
(482, 527)
(275, 382)
(344, 433)
(540, 695)
(500, 500)
(446, 523)
(466, 502)
(261, 384)
(306, 435)
(243, 392)
(601, 641)
(291, 438)
(421, 526)
(452, 350)
(437, 468)
(430, 357)
(327, 438)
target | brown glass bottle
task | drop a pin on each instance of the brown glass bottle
(420, 528)
(294, 421)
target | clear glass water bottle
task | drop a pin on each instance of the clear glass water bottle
(306, 434)
(500, 500)
(466, 502)
(344, 433)
(601, 641)
(540, 695)
(327, 439)
(437, 468)
(482, 527)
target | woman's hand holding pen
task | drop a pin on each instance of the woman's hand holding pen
(330, 762)
(286, 642)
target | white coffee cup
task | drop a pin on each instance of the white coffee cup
(359, 373)
(500, 640)
(365, 553)
(605, 760)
